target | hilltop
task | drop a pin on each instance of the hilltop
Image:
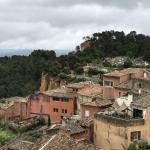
(20, 75)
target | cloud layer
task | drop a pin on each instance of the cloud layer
(61, 24)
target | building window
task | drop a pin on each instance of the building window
(137, 113)
(135, 135)
(65, 110)
(119, 94)
(64, 99)
(55, 109)
(108, 83)
(62, 110)
(55, 98)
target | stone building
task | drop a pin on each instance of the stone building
(112, 131)
(14, 108)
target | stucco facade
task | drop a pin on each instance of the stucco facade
(110, 80)
(45, 105)
(88, 110)
(115, 133)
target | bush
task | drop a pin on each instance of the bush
(32, 136)
(106, 64)
(142, 146)
(132, 147)
(79, 70)
(127, 64)
(5, 136)
(49, 121)
(93, 71)
(34, 123)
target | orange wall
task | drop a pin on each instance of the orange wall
(109, 92)
(46, 104)
(91, 109)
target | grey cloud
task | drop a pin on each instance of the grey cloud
(61, 24)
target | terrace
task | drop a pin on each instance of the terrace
(118, 120)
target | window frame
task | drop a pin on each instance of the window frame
(108, 85)
(55, 110)
(65, 99)
(66, 111)
(136, 135)
(56, 99)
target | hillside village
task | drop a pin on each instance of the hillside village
(83, 115)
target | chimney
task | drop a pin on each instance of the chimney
(145, 75)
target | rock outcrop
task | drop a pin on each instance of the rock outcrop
(49, 83)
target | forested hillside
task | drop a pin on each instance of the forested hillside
(114, 43)
(20, 75)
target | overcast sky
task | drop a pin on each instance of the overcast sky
(61, 24)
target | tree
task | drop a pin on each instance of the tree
(49, 121)
(79, 70)
(146, 56)
(127, 64)
(93, 71)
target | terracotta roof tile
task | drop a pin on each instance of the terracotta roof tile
(143, 101)
(120, 73)
(92, 90)
(63, 142)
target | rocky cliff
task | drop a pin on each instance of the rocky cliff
(49, 83)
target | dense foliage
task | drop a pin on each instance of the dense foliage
(111, 43)
(20, 75)
(142, 146)
(32, 136)
(6, 135)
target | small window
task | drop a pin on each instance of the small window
(65, 99)
(65, 110)
(55, 109)
(62, 117)
(55, 98)
(135, 135)
(137, 113)
(76, 90)
(119, 94)
(62, 110)
(108, 83)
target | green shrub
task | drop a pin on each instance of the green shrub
(49, 121)
(32, 136)
(5, 136)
